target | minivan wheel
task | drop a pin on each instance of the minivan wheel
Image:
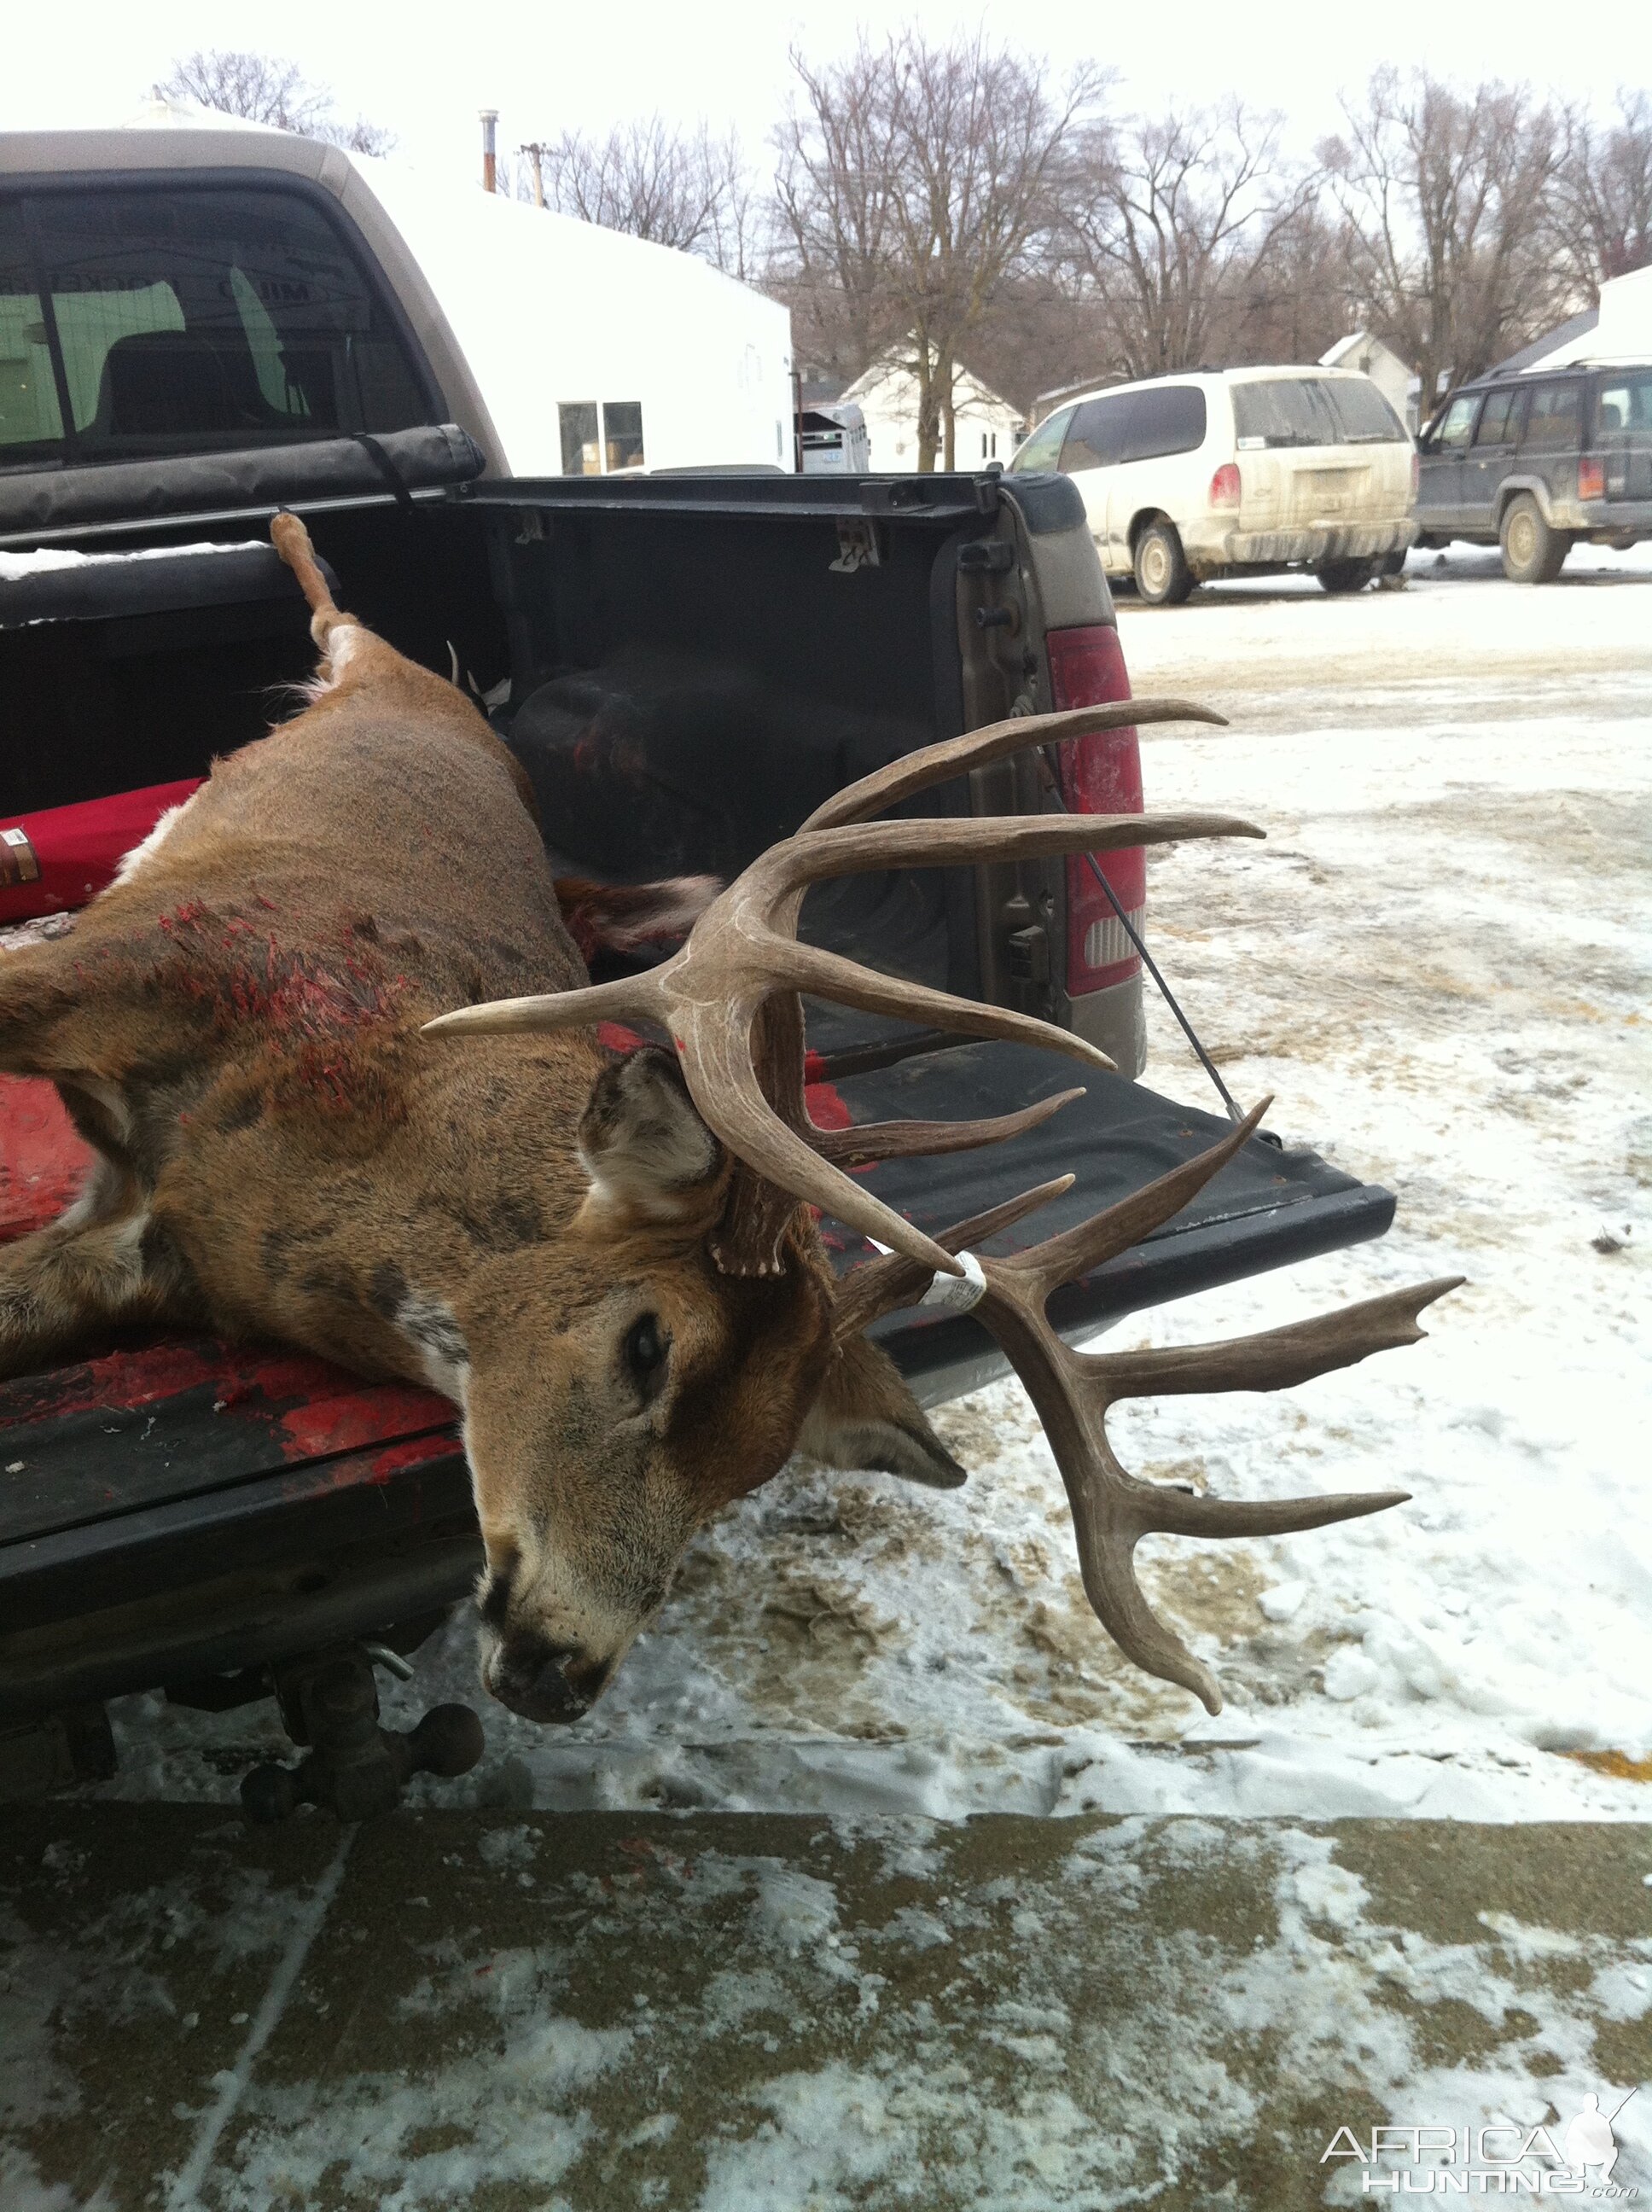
(1532, 552)
(1162, 577)
(1338, 576)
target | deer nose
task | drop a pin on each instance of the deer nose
(545, 1681)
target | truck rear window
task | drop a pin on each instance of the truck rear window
(31, 421)
(182, 319)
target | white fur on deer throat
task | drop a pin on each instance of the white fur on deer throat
(129, 863)
(429, 1326)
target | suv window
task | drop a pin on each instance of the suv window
(31, 421)
(1135, 426)
(1041, 449)
(1625, 405)
(1364, 416)
(188, 318)
(1500, 423)
(1456, 423)
(1554, 421)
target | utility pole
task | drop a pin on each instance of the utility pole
(536, 153)
(489, 159)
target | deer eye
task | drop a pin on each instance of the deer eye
(646, 1350)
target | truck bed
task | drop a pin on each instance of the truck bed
(171, 1512)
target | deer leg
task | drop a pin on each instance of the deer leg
(40, 997)
(101, 1264)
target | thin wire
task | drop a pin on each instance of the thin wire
(1053, 782)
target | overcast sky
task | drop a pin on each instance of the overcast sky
(424, 69)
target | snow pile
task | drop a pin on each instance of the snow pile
(13, 566)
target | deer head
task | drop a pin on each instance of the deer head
(622, 1388)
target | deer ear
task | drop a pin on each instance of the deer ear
(648, 1155)
(866, 1417)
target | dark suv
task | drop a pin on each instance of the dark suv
(1536, 461)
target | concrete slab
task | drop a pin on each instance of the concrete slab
(760, 2013)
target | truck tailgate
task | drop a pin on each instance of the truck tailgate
(160, 1467)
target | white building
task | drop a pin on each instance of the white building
(1397, 381)
(987, 427)
(595, 352)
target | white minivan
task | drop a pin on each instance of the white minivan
(1236, 471)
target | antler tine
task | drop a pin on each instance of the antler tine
(885, 1284)
(628, 999)
(1075, 1251)
(857, 848)
(1275, 1358)
(823, 974)
(899, 1141)
(934, 764)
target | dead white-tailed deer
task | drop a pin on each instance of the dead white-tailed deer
(608, 1263)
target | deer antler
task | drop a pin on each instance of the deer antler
(728, 999)
(1072, 1391)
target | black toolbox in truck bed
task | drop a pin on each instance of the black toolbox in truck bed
(172, 1512)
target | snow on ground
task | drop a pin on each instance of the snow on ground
(1438, 964)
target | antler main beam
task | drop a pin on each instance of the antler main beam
(1072, 1391)
(744, 954)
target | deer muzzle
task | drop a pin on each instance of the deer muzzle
(541, 1681)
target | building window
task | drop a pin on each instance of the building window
(599, 441)
(581, 448)
(621, 425)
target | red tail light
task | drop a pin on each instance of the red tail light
(1225, 485)
(1591, 479)
(1100, 774)
(1416, 472)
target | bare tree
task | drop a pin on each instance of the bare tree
(681, 188)
(262, 88)
(1170, 219)
(1295, 298)
(913, 179)
(1604, 198)
(834, 191)
(1449, 202)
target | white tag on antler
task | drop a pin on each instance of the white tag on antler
(958, 1293)
(950, 1293)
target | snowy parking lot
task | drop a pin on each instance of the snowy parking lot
(1437, 963)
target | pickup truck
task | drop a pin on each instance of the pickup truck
(197, 328)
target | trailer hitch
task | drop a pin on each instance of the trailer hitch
(354, 1769)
